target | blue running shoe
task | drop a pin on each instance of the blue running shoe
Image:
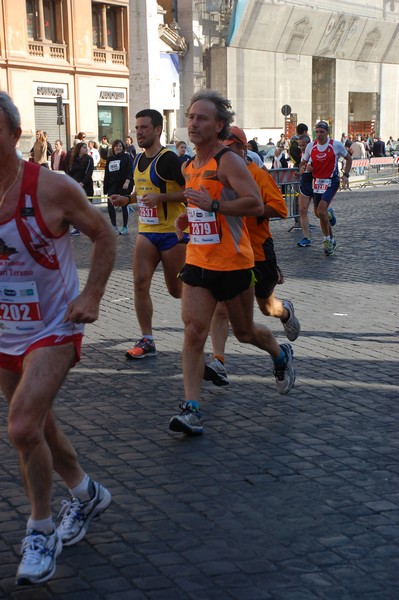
(285, 373)
(305, 242)
(331, 217)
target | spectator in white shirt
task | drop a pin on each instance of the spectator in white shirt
(94, 153)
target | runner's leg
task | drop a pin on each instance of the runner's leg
(219, 329)
(145, 260)
(198, 305)
(31, 424)
(304, 202)
(173, 261)
(240, 309)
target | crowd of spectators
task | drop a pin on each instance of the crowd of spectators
(82, 158)
(373, 146)
(61, 159)
(279, 153)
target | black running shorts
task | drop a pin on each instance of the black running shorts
(224, 285)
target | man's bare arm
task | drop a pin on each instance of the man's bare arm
(234, 174)
(66, 204)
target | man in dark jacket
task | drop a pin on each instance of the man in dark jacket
(379, 148)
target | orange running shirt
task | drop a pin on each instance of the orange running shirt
(233, 250)
(258, 227)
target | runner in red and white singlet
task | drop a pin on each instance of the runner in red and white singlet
(38, 278)
(322, 157)
(41, 326)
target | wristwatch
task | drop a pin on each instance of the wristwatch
(347, 174)
(215, 206)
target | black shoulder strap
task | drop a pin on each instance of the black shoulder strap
(218, 156)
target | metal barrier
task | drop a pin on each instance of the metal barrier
(395, 177)
(359, 174)
(365, 172)
(98, 199)
(359, 165)
(382, 169)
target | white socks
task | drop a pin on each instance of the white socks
(81, 491)
(46, 526)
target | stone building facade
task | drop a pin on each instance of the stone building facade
(325, 60)
(80, 52)
(336, 61)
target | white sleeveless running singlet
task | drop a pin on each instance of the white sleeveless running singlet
(38, 276)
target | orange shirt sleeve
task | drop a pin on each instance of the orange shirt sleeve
(269, 190)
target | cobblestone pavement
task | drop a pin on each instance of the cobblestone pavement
(284, 497)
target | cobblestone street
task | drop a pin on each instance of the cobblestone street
(284, 497)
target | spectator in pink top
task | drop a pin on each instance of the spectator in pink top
(58, 157)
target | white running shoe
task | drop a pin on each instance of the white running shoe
(292, 326)
(215, 371)
(39, 552)
(76, 516)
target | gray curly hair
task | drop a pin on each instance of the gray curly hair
(223, 108)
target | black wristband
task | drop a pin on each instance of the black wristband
(347, 175)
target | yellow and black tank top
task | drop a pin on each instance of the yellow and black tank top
(150, 181)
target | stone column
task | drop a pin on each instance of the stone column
(144, 58)
(104, 38)
(41, 34)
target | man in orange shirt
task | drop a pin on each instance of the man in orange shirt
(265, 263)
(220, 192)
